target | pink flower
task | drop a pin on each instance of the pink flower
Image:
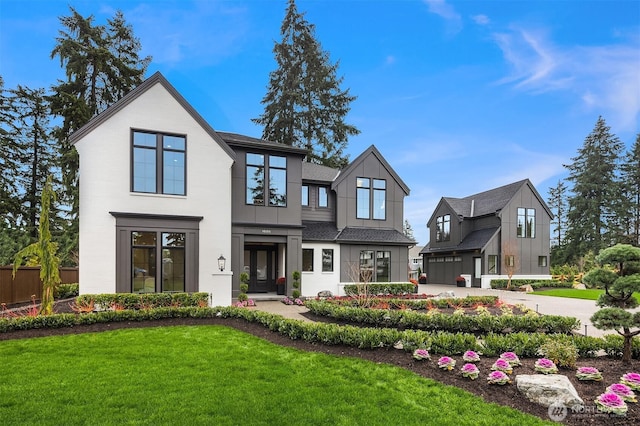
(622, 391)
(470, 356)
(502, 365)
(611, 403)
(470, 370)
(498, 378)
(588, 373)
(446, 363)
(632, 380)
(546, 366)
(421, 354)
(512, 358)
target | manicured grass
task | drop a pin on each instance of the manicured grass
(206, 375)
(588, 294)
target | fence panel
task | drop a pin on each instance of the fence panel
(27, 283)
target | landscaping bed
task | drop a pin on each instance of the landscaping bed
(612, 369)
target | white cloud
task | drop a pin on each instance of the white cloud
(481, 19)
(446, 11)
(605, 79)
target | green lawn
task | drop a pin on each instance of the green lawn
(205, 375)
(588, 294)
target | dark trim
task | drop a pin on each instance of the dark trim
(266, 225)
(147, 216)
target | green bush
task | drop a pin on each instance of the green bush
(523, 344)
(535, 284)
(561, 351)
(66, 291)
(143, 300)
(380, 288)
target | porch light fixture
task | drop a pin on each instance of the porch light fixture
(221, 262)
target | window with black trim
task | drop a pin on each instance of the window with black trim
(327, 260)
(375, 266)
(526, 225)
(443, 228)
(270, 170)
(307, 260)
(542, 261)
(323, 196)
(493, 264)
(144, 252)
(158, 163)
(371, 195)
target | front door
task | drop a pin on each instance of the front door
(259, 261)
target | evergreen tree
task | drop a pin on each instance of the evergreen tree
(630, 169)
(558, 204)
(9, 204)
(102, 65)
(408, 230)
(304, 105)
(595, 200)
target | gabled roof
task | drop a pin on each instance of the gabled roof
(371, 150)
(319, 231)
(476, 240)
(318, 173)
(250, 142)
(156, 78)
(373, 235)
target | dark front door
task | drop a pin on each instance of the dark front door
(260, 260)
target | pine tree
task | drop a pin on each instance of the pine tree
(304, 105)
(595, 200)
(102, 65)
(408, 230)
(9, 204)
(558, 204)
(630, 176)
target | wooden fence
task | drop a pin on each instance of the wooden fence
(27, 283)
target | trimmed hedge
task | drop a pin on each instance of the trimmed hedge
(524, 344)
(421, 303)
(143, 300)
(535, 284)
(435, 321)
(66, 291)
(380, 288)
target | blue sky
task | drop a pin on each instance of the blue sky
(459, 96)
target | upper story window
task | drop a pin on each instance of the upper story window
(159, 163)
(271, 169)
(371, 197)
(443, 227)
(526, 223)
(323, 196)
(305, 195)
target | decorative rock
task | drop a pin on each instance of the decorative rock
(325, 293)
(580, 286)
(446, 295)
(526, 288)
(548, 389)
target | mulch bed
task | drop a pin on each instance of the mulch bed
(507, 395)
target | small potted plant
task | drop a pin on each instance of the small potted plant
(422, 279)
(460, 281)
(280, 283)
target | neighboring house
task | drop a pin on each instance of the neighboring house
(467, 236)
(415, 262)
(164, 196)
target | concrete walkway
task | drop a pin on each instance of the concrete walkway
(547, 305)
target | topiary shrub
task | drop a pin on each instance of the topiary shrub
(562, 352)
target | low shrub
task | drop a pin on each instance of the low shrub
(66, 291)
(143, 300)
(561, 351)
(379, 288)
(535, 284)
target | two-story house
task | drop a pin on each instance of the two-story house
(468, 236)
(169, 204)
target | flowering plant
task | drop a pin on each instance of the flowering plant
(498, 378)
(545, 366)
(471, 356)
(511, 358)
(589, 373)
(609, 402)
(421, 354)
(459, 278)
(244, 303)
(287, 301)
(446, 363)
(502, 365)
(632, 380)
(470, 370)
(281, 280)
(623, 391)
(298, 301)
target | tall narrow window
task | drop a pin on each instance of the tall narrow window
(255, 179)
(526, 223)
(327, 260)
(383, 269)
(366, 266)
(443, 228)
(362, 198)
(307, 260)
(305, 195)
(277, 181)
(173, 266)
(493, 264)
(323, 197)
(379, 199)
(159, 163)
(143, 262)
(542, 261)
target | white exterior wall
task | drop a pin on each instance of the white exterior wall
(105, 176)
(316, 281)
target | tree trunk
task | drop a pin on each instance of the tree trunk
(626, 349)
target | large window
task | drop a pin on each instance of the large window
(526, 223)
(371, 197)
(159, 163)
(375, 266)
(323, 196)
(307, 260)
(443, 228)
(327, 260)
(144, 254)
(274, 174)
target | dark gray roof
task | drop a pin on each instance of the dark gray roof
(248, 141)
(318, 172)
(319, 231)
(476, 240)
(487, 202)
(373, 235)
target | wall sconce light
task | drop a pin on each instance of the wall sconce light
(221, 262)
